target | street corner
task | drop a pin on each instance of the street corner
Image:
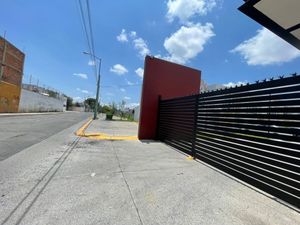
(108, 130)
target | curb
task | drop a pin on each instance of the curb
(28, 114)
(101, 136)
(81, 131)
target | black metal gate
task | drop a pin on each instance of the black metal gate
(251, 132)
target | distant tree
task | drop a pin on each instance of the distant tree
(122, 108)
(69, 103)
(52, 94)
(113, 108)
(91, 102)
(105, 109)
(77, 104)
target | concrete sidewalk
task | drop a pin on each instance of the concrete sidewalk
(71, 180)
(113, 128)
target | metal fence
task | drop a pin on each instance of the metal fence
(33, 84)
(251, 132)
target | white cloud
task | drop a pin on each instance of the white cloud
(139, 43)
(91, 63)
(128, 82)
(187, 42)
(141, 46)
(110, 94)
(233, 84)
(265, 48)
(132, 105)
(77, 99)
(81, 75)
(83, 91)
(118, 69)
(127, 98)
(185, 9)
(140, 72)
(122, 89)
(122, 37)
(133, 34)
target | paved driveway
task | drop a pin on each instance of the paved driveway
(70, 180)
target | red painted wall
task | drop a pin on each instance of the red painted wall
(169, 80)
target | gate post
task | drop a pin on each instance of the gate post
(157, 120)
(194, 135)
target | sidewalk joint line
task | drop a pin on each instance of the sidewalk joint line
(127, 185)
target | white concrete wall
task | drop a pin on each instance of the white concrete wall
(35, 102)
(77, 109)
(136, 115)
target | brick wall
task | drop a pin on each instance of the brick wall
(13, 61)
(11, 72)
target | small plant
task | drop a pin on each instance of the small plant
(109, 116)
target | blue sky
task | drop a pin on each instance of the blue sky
(210, 35)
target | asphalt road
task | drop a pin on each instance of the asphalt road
(19, 132)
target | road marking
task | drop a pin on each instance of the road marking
(112, 138)
(101, 136)
(81, 131)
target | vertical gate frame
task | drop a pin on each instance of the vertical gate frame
(195, 126)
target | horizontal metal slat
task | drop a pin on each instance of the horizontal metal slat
(244, 176)
(279, 167)
(253, 115)
(237, 129)
(269, 91)
(286, 127)
(227, 100)
(176, 120)
(183, 102)
(174, 125)
(179, 99)
(251, 170)
(179, 147)
(281, 147)
(185, 135)
(265, 109)
(183, 106)
(178, 113)
(254, 87)
(253, 104)
(270, 151)
(258, 121)
(187, 119)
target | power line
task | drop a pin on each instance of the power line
(91, 27)
(84, 24)
(88, 34)
(91, 35)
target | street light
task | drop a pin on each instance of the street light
(98, 83)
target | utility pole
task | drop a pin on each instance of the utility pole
(97, 92)
(97, 80)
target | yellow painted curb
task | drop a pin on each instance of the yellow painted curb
(102, 136)
(81, 130)
(190, 158)
(113, 138)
